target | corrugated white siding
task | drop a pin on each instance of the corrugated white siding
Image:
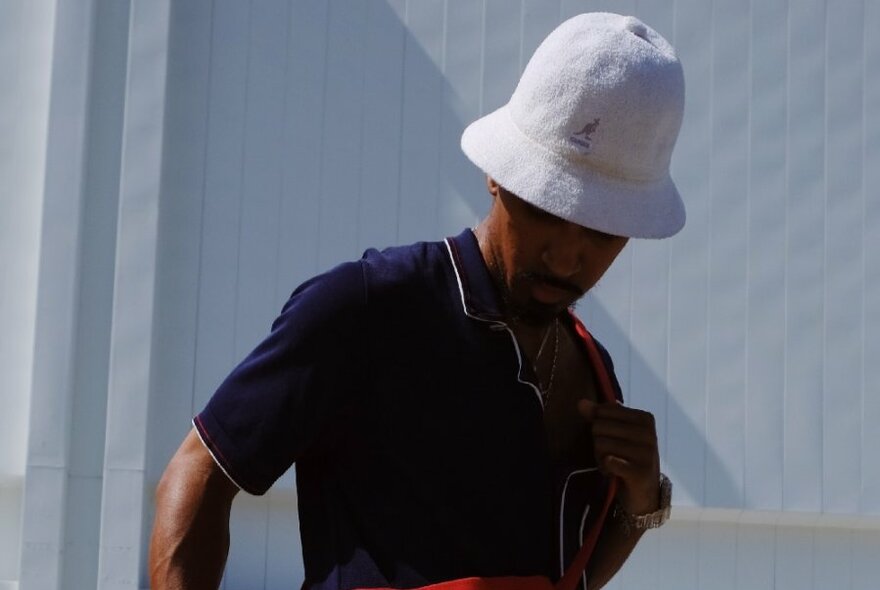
(204, 157)
(26, 58)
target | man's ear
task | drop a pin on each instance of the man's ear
(494, 187)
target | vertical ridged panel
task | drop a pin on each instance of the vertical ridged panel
(728, 255)
(679, 557)
(755, 557)
(805, 251)
(261, 167)
(421, 108)
(82, 518)
(794, 555)
(258, 234)
(121, 552)
(343, 133)
(717, 556)
(378, 190)
(833, 567)
(765, 330)
(844, 282)
(303, 144)
(865, 565)
(462, 199)
(54, 356)
(179, 242)
(27, 31)
(180, 229)
(10, 540)
(215, 340)
(95, 297)
(689, 265)
(870, 470)
(649, 322)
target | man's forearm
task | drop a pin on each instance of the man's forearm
(612, 550)
(190, 538)
(188, 557)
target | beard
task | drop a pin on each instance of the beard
(535, 313)
(524, 308)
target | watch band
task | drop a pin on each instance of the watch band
(652, 520)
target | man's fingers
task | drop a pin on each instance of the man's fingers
(592, 411)
(622, 413)
(617, 421)
(624, 439)
(624, 431)
(622, 468)
(643, 455)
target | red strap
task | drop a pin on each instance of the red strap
(501, 583)
(574, 572)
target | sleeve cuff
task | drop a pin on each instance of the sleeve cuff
(209, 437)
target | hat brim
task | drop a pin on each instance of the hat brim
(571, 189)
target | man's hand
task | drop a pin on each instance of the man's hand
(625, 445)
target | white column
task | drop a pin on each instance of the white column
(26, 38)
(131, 342)
(45, 487)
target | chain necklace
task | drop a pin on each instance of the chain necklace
(545, 392)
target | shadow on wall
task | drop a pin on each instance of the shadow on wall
(296, 135)
(688, 472)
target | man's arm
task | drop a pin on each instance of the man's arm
(625, 446)
(191, 532)
(612, 550)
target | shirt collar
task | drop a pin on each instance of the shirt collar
(479, 296)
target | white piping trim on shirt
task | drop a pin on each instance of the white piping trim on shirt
(493, 323)
(581, 537)
(562, 514)
(213, 456)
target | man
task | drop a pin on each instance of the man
(450, 419)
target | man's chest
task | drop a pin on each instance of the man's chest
(568, 434)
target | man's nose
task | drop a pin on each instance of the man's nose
(564, 253)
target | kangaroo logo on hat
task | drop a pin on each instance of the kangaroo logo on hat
(582, 137)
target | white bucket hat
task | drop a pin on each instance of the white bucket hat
(589, 131)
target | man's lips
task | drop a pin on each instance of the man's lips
(551, 290)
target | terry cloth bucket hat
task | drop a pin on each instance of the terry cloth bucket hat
(589, 131)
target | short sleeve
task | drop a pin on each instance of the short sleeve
(275, 404)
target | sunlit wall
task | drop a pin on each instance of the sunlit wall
(174, 169)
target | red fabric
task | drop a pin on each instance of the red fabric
(607, 389)
(505, 583)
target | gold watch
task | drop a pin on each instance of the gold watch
(652, 520)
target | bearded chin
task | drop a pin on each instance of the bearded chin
(535, 313)
(529, 312)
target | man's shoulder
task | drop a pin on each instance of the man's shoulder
(405, 257)
(409, 276)
(419, 265)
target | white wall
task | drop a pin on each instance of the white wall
(203, 157)
(25, 62)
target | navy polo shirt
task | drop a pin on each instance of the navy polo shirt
(396, 388)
